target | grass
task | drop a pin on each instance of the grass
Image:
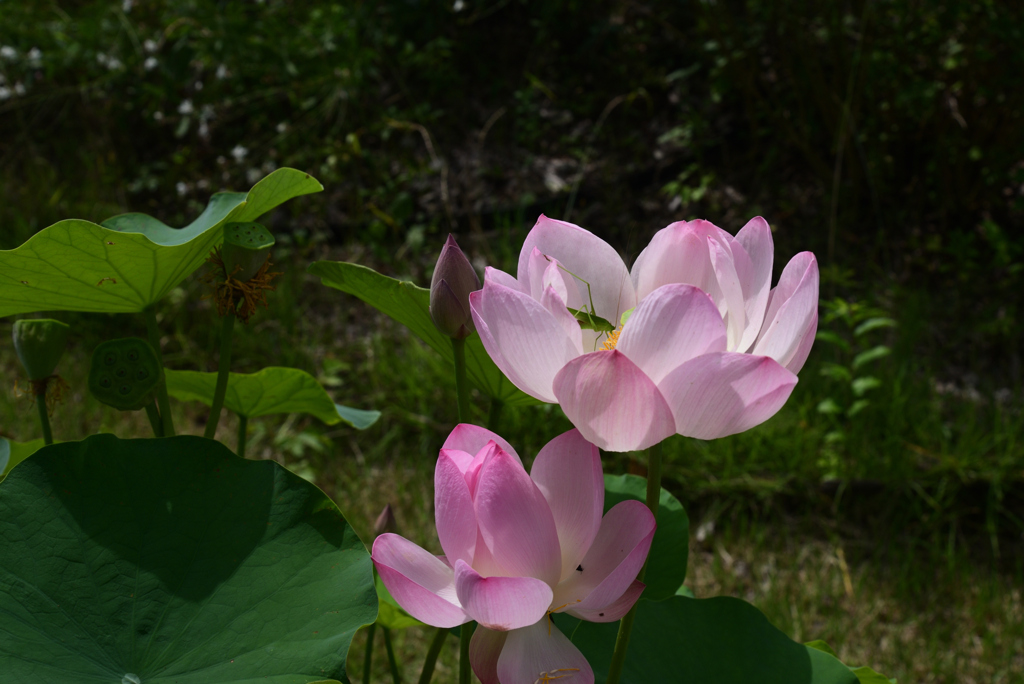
(900, 545)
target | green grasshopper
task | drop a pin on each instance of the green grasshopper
(587, 319)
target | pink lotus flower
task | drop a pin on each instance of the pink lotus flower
(517, 548)
(708, 348)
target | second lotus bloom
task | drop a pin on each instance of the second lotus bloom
(695, 340)
(518, 547)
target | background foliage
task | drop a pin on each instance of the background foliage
(884, 135)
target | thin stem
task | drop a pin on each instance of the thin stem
(395, 676)
(243, 429)
(368, 657)
(227, 327)
(161, 391)
(435, 649)
(465, 671)
(461, 385)
(626, 625)
(154, 419)
(44, 418)
(494, 417)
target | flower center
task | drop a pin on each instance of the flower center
(612, 339)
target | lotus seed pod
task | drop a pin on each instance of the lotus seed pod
(124, 373)
(40, 344)
(246, 247)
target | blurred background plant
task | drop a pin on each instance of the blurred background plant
(884, 135)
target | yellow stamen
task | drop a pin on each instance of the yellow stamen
(612, 340)
(551, 619)
(551, 676)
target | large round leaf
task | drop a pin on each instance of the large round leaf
(174, 561)
(131, 261)
(13, 453)
(410, 306)
(707, 641)
(666, 562)
(268, 391)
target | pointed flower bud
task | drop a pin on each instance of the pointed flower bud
(453, 280)
(40, 344)
(385, 521)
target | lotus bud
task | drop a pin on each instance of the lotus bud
(385, 522)
(453, 280)
(246, 248)
(124, 373)
(40, 344)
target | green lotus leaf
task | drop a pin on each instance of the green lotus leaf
(13, 453)
(271, 390)
(719, 640)
(865, 675)
(132, 260)
(666, 563)
(172, 561)
(410, 306)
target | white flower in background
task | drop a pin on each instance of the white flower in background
(252, 175)
(204, 130)
(150, 45)
(9, 53)
(5, 93)
(34, 57)
(458, 6)
(112, 63)
(239, 152)
(19, 89)
(181, 188)
(186, 107)
(282, 127)
(222, 72)
(158, 116)
(150, 63)
(126, 6)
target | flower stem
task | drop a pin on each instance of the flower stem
(395, 677)
(227, 327)
(243, 429)
(154, 419)
(494, 417)
(368, 657)
(626, 625)
(465, 671)
(161, 390)
(461, 385)
(44, 418)
(435, 649)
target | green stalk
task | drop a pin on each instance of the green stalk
(368, 657)
(461, 384)
(227, 327)
(494, 417)
(395, 677)
(44, 418)
(161, 390)
(154, 419)
(626, 625)
(465, 671)
(243, 429)
(435, 649)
